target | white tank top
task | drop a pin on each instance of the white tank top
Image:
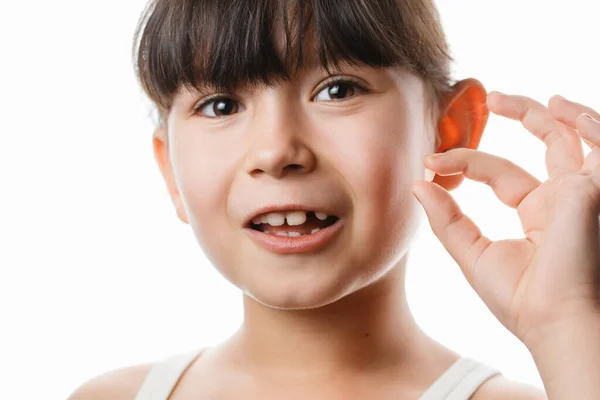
(458, 382)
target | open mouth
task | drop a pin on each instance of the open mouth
(292, 224)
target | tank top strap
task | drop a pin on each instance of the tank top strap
(164, 376)
(460, 381)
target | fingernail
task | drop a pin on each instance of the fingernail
(588, 116)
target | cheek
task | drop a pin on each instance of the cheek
(378, 157)
(203, 169)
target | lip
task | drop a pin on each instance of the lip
(300, 244)
(284, 208)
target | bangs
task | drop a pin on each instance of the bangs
(225, 44)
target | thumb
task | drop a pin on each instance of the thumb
(420, 191)
(457, 232)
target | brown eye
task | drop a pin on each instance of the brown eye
(338, 90)
(220, 107)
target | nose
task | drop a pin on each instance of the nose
(277, 144)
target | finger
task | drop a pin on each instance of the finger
(510, 183)
(589, 144)
(589, 129)
(564, 152)
(596, 177)
(457, 232)
(567, 112)
(592, 161)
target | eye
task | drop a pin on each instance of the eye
(339, 89)
(216, 107)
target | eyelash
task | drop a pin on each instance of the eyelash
(335, 81)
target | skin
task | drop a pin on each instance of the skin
(546, 286)
(373, 347)
(357, 157)
(336, 323)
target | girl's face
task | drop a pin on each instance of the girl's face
(350, 149)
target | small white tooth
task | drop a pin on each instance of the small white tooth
(275, 219)
(321, 216)
(296, 218)
(266, 231)
(294, 234)
(315, 230)
(281, 234)
(256, 221)
(263, 219)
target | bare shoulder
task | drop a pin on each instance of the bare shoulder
(119, 384)
(501, 388)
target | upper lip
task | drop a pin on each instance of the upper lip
(284, 208)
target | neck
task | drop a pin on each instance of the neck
(370, 329)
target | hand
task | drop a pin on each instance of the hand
(552, 276)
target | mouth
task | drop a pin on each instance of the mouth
(292, 223)
(294, 231)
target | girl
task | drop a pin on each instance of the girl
(294, 139)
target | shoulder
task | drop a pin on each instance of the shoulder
(119, 384)
(501, 388)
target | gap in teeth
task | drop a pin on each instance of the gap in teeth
(293, 218)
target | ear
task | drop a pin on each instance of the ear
(464, 115)
(161, 154)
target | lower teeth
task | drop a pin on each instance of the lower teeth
(294, 234)
(291, 234)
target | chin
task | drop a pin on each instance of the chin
(302, 292)
(291, 303)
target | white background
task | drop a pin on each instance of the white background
(96, 271)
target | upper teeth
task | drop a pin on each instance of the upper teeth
(292, 218)
(321, 216)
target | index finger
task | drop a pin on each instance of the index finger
(567, 111)
(510, 183)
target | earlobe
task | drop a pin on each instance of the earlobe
(180, 210)
(161, 154)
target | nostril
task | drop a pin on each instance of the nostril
(295, 167)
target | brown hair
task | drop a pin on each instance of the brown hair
(226, 43)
